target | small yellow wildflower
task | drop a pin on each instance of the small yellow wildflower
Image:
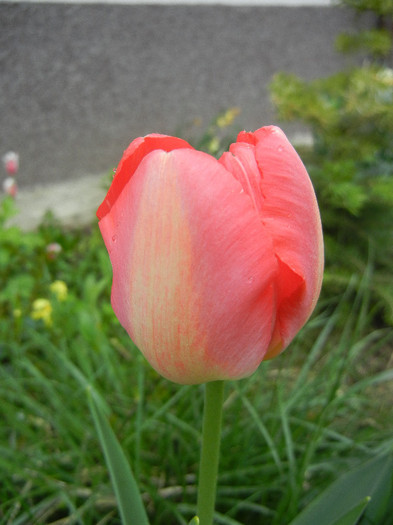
(227, 118)
(59, 289)
(42, 309)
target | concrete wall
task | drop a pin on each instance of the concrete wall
(79, 82)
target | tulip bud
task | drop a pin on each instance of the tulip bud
(52, 250)
(217, 264)
(11, 162)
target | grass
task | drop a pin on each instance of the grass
(288, 430)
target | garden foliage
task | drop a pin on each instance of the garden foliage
(350, 115)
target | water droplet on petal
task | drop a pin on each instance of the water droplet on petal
(280, 149)
(114, 238)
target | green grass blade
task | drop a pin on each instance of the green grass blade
(124, 485)
(352, 516)
(371, 479)
(263, 430)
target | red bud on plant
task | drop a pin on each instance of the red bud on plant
(52, 250)
(11, 162)
(217, 264)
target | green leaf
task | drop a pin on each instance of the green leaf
(352, 516)
(124, 485)
(373, 479)
(378, 41)
(194, 521)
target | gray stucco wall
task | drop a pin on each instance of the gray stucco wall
(78, 82)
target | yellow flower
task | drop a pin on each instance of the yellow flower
(59, 289)
(227, 118)
(42, 309)
(17, 312)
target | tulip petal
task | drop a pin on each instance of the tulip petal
(282, 192)
(241, 162)
(194, 268)
(291, 214)
(236, 265)
(132, 156)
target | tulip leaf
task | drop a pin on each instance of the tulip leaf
(353, 515)
(194, 521)
(373, 479)
(126, 490)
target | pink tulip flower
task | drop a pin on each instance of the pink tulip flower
(217, 264)
(11, 162)
(52, 250)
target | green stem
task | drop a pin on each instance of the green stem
(211, 434)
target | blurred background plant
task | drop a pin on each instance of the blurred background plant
(11, 165)
(350, 115)
(218, 135)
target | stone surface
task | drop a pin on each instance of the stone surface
(78, 82)
(74, 202)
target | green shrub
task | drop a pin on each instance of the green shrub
(350, 115)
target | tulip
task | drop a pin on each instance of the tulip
(11, 162)
(217, 264)
(52, 250)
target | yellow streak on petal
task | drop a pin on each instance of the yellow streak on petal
(164, 305)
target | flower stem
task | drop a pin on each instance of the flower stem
(211, 434)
